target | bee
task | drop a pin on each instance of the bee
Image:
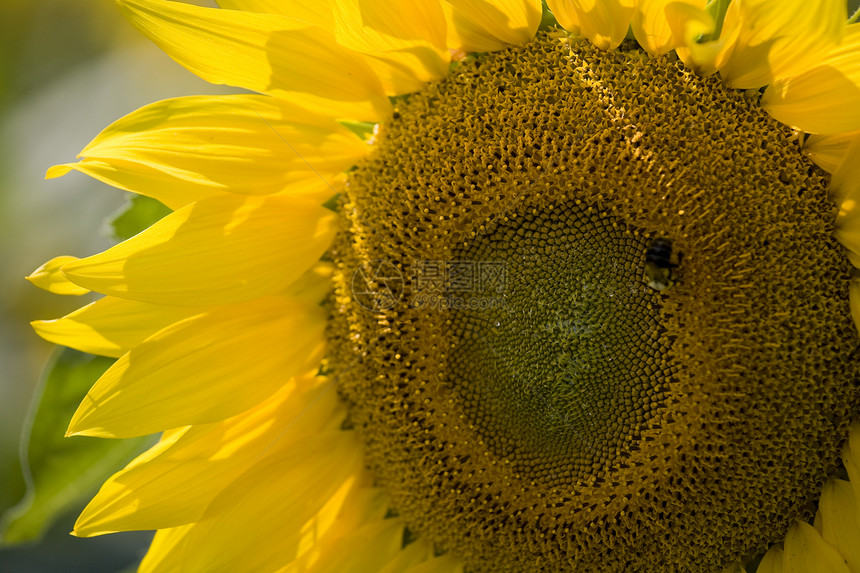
(659, 265)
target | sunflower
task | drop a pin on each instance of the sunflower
(481, 285)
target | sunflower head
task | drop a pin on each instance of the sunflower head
(540, 392)
(577, 304)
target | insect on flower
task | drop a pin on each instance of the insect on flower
(659, 265)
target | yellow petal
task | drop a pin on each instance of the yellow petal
(651, 24)
(851, 449)
(466, 35)
(260, 52)
(491, 25)
(317, 189)
(828, 151)
(368, 548)
(371, 110)
(274, 498)
(772, 561)
(845, 190)
(824, 98)
(110, 326)
(403, 39)
(174, 483)
(115, 174)
(50, 278)
(217, 251)
(854, 302)
(351, 507)
(407, 558)
(444, 564)
(565, 13)
(316, 12)
(603, 22)
(780, 39)
(313, 286)
(185, 149)
(806, 552)
(688, 23)
(840, 521)
(203, 369)
(845, 182)
(167, 441)
(374, 546)
(160, 558)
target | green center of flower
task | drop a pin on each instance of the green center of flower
(561, 363)
(590, 315)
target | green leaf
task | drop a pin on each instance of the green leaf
(61, 472)
(332, 203)
(363, 129)
(139, 213)
(547, 21)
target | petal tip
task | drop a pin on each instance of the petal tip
(85, 432)
(56, 171)
(50, 277)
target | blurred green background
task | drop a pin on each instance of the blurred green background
(68, 68)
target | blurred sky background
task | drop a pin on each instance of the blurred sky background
(68, 68)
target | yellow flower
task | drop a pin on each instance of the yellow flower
(296, 436)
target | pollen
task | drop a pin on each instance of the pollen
(524, 394)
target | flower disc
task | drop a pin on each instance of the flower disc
(531, 393)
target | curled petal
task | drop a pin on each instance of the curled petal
(824, 98)
(828, 151)
(779, 39)
(651, 24)
(491, 25)
(603, 22)
(689, 23)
